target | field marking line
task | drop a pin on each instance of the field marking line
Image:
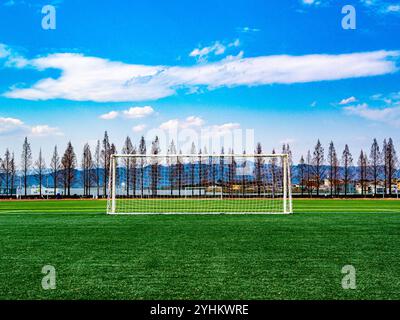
(16, 212)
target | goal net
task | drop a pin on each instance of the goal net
(229, 183)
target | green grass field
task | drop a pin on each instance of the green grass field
(198, 256)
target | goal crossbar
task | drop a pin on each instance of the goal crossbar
(223, 155)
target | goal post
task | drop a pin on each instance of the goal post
(214, 184)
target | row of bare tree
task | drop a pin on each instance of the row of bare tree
(379, 169)
(62, 168)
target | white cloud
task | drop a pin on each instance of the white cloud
(16, 62)
(139, 128)
(189, 122)
(391, 98)
(223, 129)
(4, 51)
(131, 113)
(368, 2)
(202, 53)
(384, 108)
(247, 29)
(45, 130)
(94, 79)
(12, 58)
(237, 57)
(311, 2)
(138, 112)
(381, 7)
(393, 8)
(389, 115)
(226, 126)
(224, 132)
(194, 129)
(217, 49)
(8, 125)
(17, 126)
(235, 43)
(30, 4)
(348, 101)
(192, 121)
(170, 125)
(109, 115)
(373, 6)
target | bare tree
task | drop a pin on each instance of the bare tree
(97, 161)
(55, 166)
(362, 171)
(259, 163)
(68, 163)
(87, 170)
(26, 162)
(205, 170)
(192, 166)
(13, 170)
(347, 163)
(243, 173)
(180, 169)
(213, 169)
(40, 168)
(113, 151)
(201, 178)
(385, 164)
(222, 166)
(6, 168)
(155, 150)
(134, 170)
(231, 171)
(105, 157)
(302, 174)
(128, 150)
(172, 166)
(333, 168)
(274, 173)
(318, 163)
(142, 151)
(390, 163)
(375, 163)
(309, 172)
(336, 173)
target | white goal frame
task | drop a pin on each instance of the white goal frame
(286, 183)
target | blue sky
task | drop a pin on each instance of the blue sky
(286, 69)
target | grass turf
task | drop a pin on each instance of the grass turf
(200, 257)
(99, 206)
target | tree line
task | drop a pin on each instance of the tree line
(376, 169)
(62, 168)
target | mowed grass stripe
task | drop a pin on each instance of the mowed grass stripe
(146, 205)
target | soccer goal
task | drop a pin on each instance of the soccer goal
(214, 184)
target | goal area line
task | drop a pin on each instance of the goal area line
(200, 213)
